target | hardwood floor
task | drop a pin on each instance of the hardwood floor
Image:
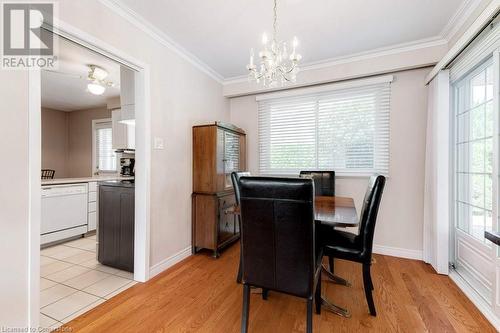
(200, 294)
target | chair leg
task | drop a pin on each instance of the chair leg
(309, 324)
(240, 271)
(330, 264)
(317, 296)
(265, 293)
(368, 285)
(246, 308)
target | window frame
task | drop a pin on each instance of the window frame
(95, 124)
(319, 93)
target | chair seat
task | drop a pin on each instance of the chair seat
(343, 245)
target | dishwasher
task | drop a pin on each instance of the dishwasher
(64, 211)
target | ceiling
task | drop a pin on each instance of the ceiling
(221, 32)
(66, 89)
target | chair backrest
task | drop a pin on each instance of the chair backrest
(48, 173)
(324, 181)
(368, 218)
(277, 236)
(235, 178)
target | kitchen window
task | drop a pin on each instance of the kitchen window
(345, 129)
(104, 156)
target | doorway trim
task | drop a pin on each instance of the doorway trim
(143, 161)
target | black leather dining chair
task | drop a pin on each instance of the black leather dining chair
(235, 178)
(324, 182)
(324, 185)
(358, 248)
(48, 173)
(278, 241)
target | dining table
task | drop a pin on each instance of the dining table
(337, 212)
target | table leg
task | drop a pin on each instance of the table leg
(334, 308)
(335, 279)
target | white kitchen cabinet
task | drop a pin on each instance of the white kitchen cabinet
(92, 206)
(92, 221)
(123, 134)
(127, 95)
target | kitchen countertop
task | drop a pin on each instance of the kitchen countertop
(118, 183)
(102, 178)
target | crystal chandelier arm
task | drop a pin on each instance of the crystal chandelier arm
(285, 69)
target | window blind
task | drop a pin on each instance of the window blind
(105, 154)
(345, 130)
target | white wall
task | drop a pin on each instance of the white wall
(14, 198)
(400, 220)
(181, 96)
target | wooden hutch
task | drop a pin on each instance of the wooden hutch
(218, 150)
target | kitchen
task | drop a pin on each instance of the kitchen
(88, 195)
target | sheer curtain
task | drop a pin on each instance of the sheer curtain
(437, 174)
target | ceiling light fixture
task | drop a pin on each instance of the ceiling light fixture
(98, 72)
(97, 76)
(276, 64)
(96, 88)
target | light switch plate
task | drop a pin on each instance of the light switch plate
(159, 143)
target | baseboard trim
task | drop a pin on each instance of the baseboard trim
(398, 252)
(476, 299)
(169, 262)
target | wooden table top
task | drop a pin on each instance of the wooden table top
(337, 211)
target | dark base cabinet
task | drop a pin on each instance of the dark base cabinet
(214, 226)
(116, 226)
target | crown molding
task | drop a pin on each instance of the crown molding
(366, 55)
(459, 18)
(140, 22)
(479, 23)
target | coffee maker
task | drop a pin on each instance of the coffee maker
(127, 166)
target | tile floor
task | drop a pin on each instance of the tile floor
(73, 281)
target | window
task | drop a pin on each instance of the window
(346, 130)
(473, 100)
(104, 156)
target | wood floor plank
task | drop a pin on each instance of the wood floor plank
(200, 294)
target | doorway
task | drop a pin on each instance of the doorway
(142, 167)
(475, 191)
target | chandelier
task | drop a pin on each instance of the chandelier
(276, 63)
